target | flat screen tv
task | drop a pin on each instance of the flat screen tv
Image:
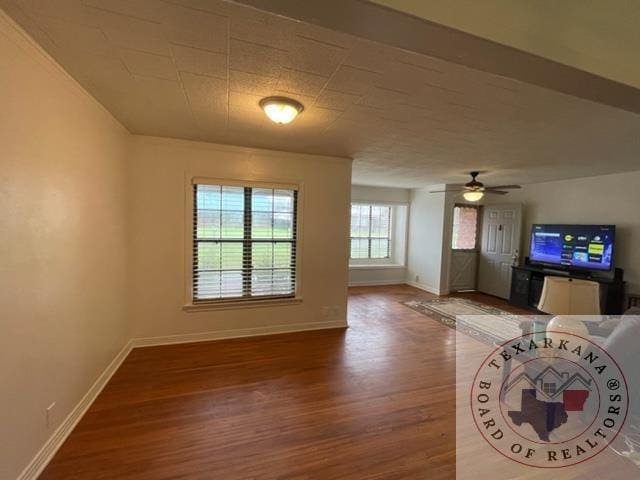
(586, 247)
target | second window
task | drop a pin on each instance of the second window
(370, 231)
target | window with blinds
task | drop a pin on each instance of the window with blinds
(370, 231)
(244, 243)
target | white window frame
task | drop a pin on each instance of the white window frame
(373, 262)
(231, 303)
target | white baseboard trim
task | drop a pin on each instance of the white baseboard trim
(55, 441)
(239, 333)
(373, 283)
(427, 288)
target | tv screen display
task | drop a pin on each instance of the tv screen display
(573, 246)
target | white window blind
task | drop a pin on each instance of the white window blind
(370, 231)
(244, 243)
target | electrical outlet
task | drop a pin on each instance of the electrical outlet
(49, 414)
(417, 278)
(326, 312)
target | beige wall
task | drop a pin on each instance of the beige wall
(426, 237)
(385, 195)
(377, 275)
(607, 199)
(160, 170)
(62, 245)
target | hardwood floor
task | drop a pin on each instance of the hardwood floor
(374, 401)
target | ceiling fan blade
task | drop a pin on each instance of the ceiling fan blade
(448, 191)
(503, 187)
(496, 192)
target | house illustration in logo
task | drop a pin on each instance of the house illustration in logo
(547, 397)
(550, 384)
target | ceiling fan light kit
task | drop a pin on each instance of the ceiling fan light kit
(473, 196)
(474, 190)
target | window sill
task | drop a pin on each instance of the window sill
(382, 266)
(237, 304)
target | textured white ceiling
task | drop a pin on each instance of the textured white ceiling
(196, 69)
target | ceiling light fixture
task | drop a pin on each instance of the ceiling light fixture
(281, 110)
(473, 196)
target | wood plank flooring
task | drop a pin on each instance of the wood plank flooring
(375, 401)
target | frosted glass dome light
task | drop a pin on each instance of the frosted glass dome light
(281, 110)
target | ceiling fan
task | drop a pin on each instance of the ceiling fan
(474, 190)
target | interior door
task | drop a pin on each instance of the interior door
(501, 229)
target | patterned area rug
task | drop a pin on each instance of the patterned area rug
(488, 324)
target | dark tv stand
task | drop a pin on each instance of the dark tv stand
(579, 274)
(527, 282)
